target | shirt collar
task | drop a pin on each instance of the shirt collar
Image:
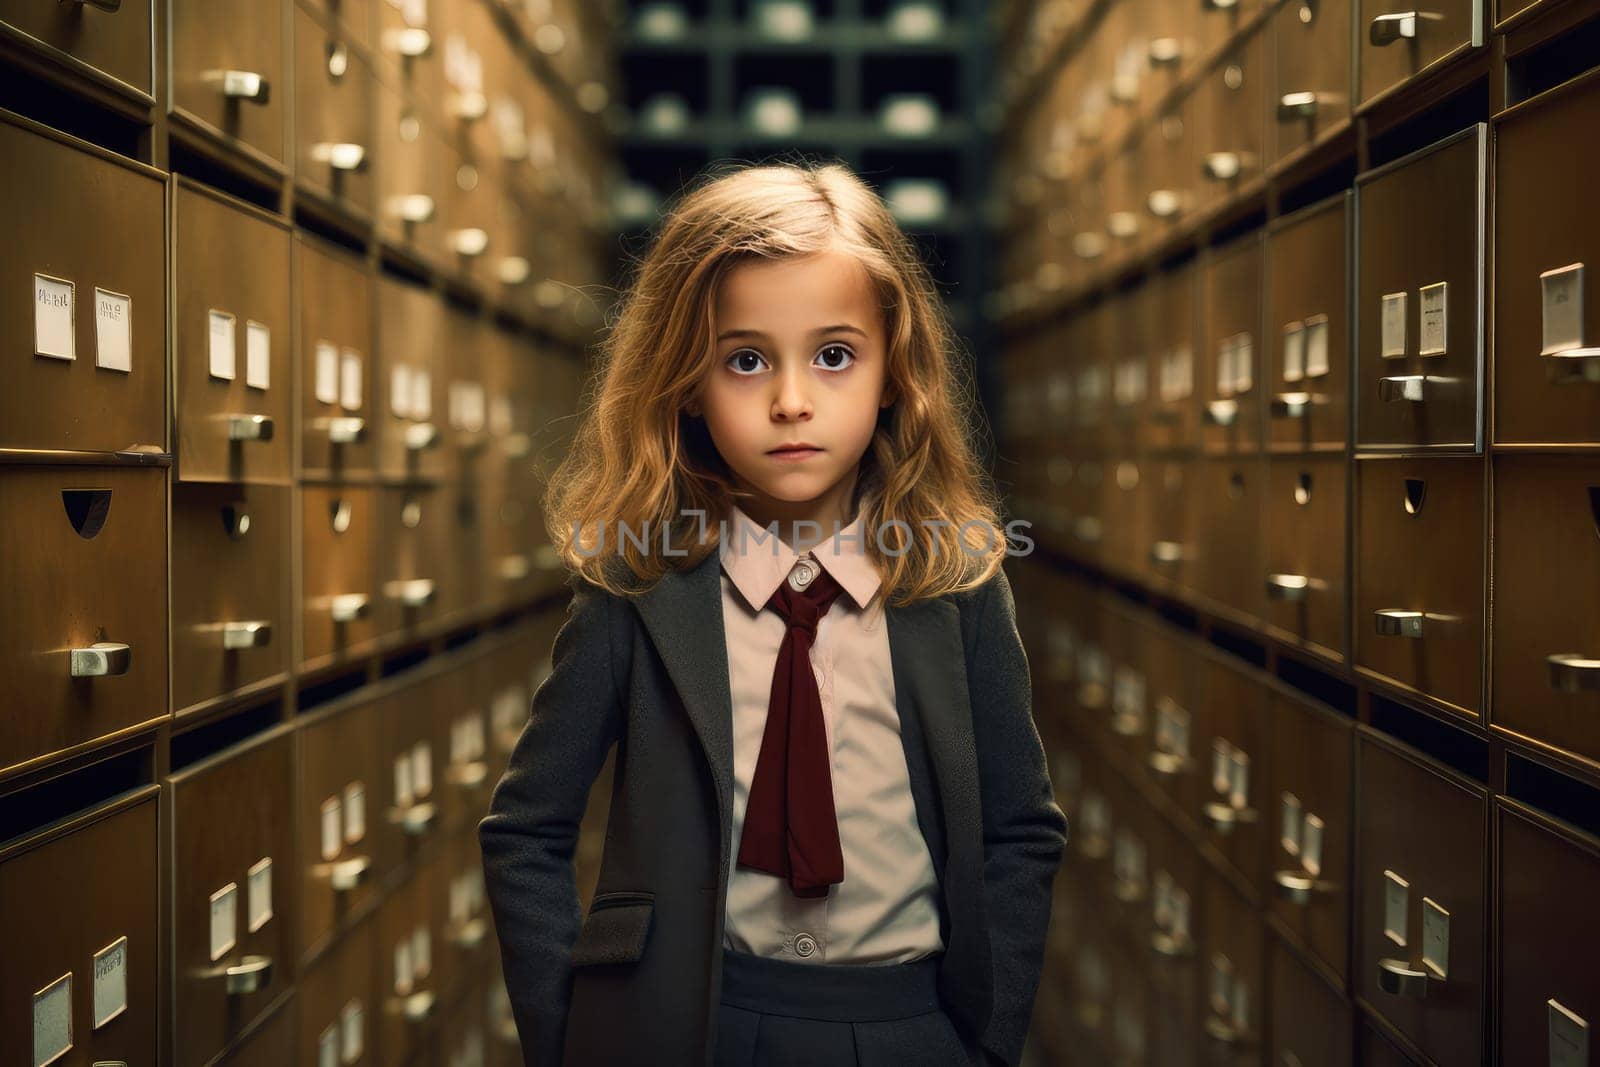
(758, 561)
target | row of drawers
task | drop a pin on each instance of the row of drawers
(1236, 800)
(1258, 342)
(340, 850)
(1410, 550)
(273, 333)
(85, 552)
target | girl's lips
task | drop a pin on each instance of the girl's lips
(794, 455)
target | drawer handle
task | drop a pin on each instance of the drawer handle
(470, 242)
(1091, 695)
(241, 85)
(418, 1007)
(421, 436)
(1221, 1030)
(1170, 764)
(348, 607)
(412, 593)
(1123, 225)
(103, 659)
(1295, 107)
(1572, 673)
(110, 7)
(1392, 622)
(1128, 891)
(349, 874)
(469, 107)
(514, 568)
(1224, 817)
(1095, 847)
(1290, 588)
(240, 635)
(1402, 387)
(251, 975)
(1222, 412)
(340, 155)
(1222, 166)
(413, 208)
(470, 935)
(1400, 26)
(1127, 725)
(1167, 552)
(468, 775)
(343, 429)
(1170, 946)
(1219, 5)
(1166, 52)
(1087, 529)
(1298, 887)
(1397, 978)
(1574, 366)
(514, 270)
(250, 427)
(1291, 405)
(408, 42)
(1163, 203)
(1088, 245)
(417, 819)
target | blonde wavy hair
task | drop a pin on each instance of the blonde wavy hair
(638, 458)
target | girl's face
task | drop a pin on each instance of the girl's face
(800, 353)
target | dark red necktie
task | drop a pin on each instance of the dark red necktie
(790, 827)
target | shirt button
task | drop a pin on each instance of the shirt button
(805, 945)
(802, 575)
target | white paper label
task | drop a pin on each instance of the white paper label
(400, 391)
(1436, 937)
(1294, 352)
(421, 395)
(1221, 764)
(1161, 900)
(1127, 693)
(1435, 319)
(422, 951)
(1317, 346)
(53, 333)
(221, 346)
(1569, 1037)
(1221, 984)
(1239, 780)
(1289, 824)
(1244, 363)
(110, 982)
(1393, 323)
(224, 920)
(1226, 350)
(328, 1046)
(332, 828)
(1241, 1005)
(327, 379)
(422, 768)
(1396, 903)
(460, 910)
(1562, 293)
(260, 895)
(355, 812)
(52, 1021)
(404, 796)
(353, 1032)
(1180, 914)
(403, 974)
(350, 380)
(113, 331)
(1177, 374)
(1175, 739)
(1311, 844)
(257, 356)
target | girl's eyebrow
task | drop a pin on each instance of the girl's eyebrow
(843, 327)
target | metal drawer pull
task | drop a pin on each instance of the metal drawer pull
(1393, 622)
(1222, 166)
(411, 207)
(1291, 405)
(103, 659)
(1171, 947)
(340, 155)
(413, 593)
(344, 429)
(1224, 817)
(1091, 695)
(1219, 5)
(348, 874)
(238, 635)
(1087, 529)
(513, 270)
(421, 435)
(249, 976)
(1574, 365)
(470, 242)
(514, 568)
(1297, 887)
(241, 85)
(1128, 891)
(469, 107)
(1222, 412)
(250, 427)
(1572, 673)
(469, 935)
(412, 42)
(416, 820)
(1220, 1029)
(1402, 387)
(1163, 203)
(418, 1007)
(1293, 107)
(1123, 225)
(1169, 764)
(1400, 26)
(1167, 552)
(1088, 245)
(1290, 588)
(110, 7)
(468, 775)
(1397, 978)
(348, 607)
(1165, 52)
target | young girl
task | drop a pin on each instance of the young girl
(832, 835)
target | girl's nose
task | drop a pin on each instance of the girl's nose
(793, 399)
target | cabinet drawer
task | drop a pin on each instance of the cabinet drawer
(1231, 104)
(1311, 1024)
(229, 75)
(1231, 503)
(333, 116)
(108, 49)
(1310, 98)
(1230, 374)
(1235, 762)
(340, 543)
(336, 362)
(1305, 562)
(1307, 331)
(1398, 43)
(343, 849)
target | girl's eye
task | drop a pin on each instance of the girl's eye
(833, 353)
(740, 363)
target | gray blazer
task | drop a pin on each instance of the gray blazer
(639, 979)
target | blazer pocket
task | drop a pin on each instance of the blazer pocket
(616, 930)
